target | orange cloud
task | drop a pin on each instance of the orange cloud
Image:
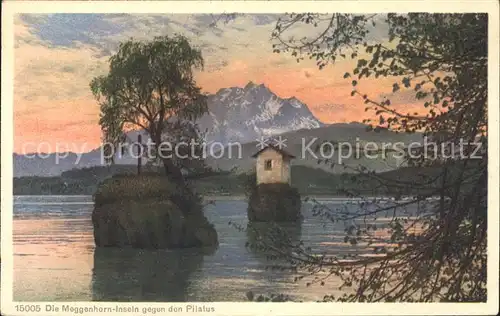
(53, 104)
(67, 125)
(325, 91)
(73, 123)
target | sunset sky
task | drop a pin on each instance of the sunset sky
(57, 55)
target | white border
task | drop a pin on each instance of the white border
(9, 8)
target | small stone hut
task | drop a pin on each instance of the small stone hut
(273, 199)
(273, 165)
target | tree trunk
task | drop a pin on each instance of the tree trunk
(171, 170)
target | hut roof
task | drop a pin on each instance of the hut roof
(277, 149)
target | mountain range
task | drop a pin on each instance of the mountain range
(245, 114)
(234, 115)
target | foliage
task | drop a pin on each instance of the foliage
(49, 186)
(149, 212)
(440, 254)
(308, 181)
(150, 85)
(133, 187)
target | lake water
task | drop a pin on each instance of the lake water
(55, 258)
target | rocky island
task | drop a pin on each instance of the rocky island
(272, 198)
(148, 211)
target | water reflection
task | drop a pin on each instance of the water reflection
(54, 257)
(266, 240)
(143, 275)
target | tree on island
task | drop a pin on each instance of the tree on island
(151, 86)
(441, 60)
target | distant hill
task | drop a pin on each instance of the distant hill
(85, 181)
(238, 115)
(309, 181)
(297, 143)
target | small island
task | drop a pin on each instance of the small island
(272, 198)
(151, 210)
(148, 211)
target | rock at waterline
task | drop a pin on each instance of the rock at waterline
(148, 211)
(274, 202)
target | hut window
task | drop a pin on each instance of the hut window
(268, 164)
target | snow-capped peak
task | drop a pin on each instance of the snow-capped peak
(253, 111)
